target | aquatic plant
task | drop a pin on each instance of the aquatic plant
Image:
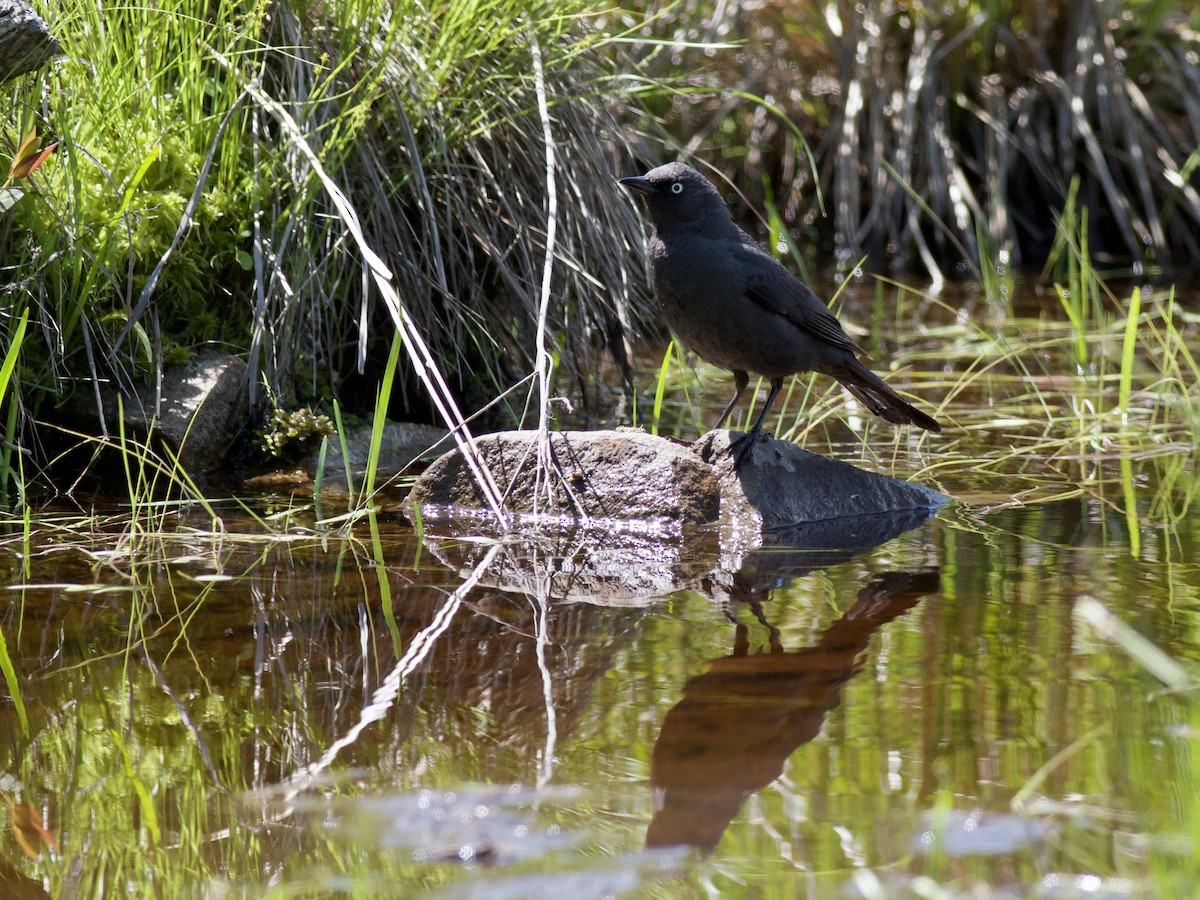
(293, 430)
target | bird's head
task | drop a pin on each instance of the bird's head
(676, 194)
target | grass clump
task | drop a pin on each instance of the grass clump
(180, 213)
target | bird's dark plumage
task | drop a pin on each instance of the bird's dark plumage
(734, 304)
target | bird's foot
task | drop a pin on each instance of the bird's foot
(741, 448)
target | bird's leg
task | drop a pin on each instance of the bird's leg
(742, 446)
(740, 380)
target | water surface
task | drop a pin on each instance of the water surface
(191, 709)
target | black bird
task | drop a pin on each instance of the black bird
(734, 304)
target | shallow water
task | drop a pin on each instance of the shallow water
(193, 709)
(209, 713)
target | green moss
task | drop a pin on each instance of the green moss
(289, 433)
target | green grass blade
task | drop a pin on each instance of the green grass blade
(1127, 350)
(319, 477)
(13, 352)
(380, 419)
(660, 387)
(6, 370)
(341, 433)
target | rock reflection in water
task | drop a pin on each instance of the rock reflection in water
(738, 723)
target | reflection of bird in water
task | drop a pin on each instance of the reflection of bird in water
(737, 724)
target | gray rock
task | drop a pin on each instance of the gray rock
(192, 418)
(623, 476)
(403, 443)
(25, 42)
(733, 534)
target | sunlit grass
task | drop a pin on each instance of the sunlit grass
(186, 207)
(930, 124)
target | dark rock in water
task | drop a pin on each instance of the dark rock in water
(632, 517)
(191, 417)
(631, 476)
(614, 476)
(821, 502)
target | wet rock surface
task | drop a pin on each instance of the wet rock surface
(784, 488)
(615, 476)
(627, 475)
(401, 445)
(634, 517)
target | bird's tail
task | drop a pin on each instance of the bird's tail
(880, 399)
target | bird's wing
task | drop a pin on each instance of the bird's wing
(775, 289)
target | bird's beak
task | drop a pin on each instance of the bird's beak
(639, 184)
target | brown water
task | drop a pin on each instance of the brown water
(193, 708)
(329, 716)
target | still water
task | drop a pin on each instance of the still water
(996, 703)
(203, 713)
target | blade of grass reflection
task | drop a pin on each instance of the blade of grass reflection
(145, 803)
(1144, 652)
(13, 682)
(1133, 523)
(541, 612)
(185, 718)
(385, 586)
(385, 695)
(1021, 799)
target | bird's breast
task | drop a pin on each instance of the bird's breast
(695, 278)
